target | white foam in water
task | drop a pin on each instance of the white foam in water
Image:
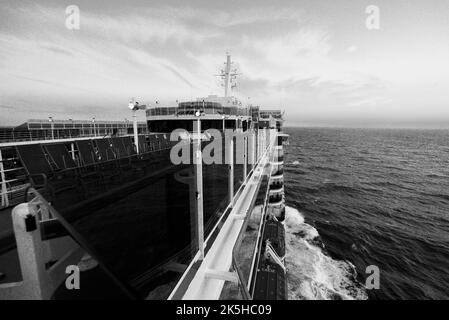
(311, 273)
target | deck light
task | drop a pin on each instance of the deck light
(93, 122)
(50, 119)
(134, 106)
(223, 117)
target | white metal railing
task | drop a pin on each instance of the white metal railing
(38, 281)
(245, 284)
(46, 134)
(41, 129)
(191, 109)
(12, 189)
(214, 269)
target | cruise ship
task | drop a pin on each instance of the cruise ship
(187, 206)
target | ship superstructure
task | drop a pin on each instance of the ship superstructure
(194, 212)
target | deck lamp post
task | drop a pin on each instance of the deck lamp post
(126, 125)
(223, 117)
(198, 168)
(95, 131)
(52, 126)
(71, 128)
(134, 106)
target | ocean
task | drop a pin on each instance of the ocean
(362, 197)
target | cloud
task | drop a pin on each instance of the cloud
(179, 75)
(290, 55)
(372, 102)
(352, 49)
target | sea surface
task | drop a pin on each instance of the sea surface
(367, 197)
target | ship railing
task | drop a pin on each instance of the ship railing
(37, 130)
(12, 185)
(217, 264)
(246, 277)
(187, 110)
(236, 189)
(35, 250)
(43, 213)
(45, 135)
(262, 147)
(247, 272)
(13, 181)
(36, 124)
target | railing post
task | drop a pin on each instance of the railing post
(199, 187)
(38, 281)
(31, 256)
(245, 156)
(5, 200)
(264, 140)
(254, 150)
(231, 172)
(72, 150)
(136, 139)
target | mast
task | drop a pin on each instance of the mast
(228, 75)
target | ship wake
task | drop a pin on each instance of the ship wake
(313, 275)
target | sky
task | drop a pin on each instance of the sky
(314, 59)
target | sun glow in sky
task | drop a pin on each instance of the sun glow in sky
(314, 59)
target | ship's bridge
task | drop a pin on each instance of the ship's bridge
(215, 112)
(271, 119)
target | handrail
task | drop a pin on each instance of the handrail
(59, 133)
(7, 190)
(219, 222)
(246, 285)
(39, 280)
(219, 257)
(242, 281)
(208, 108)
